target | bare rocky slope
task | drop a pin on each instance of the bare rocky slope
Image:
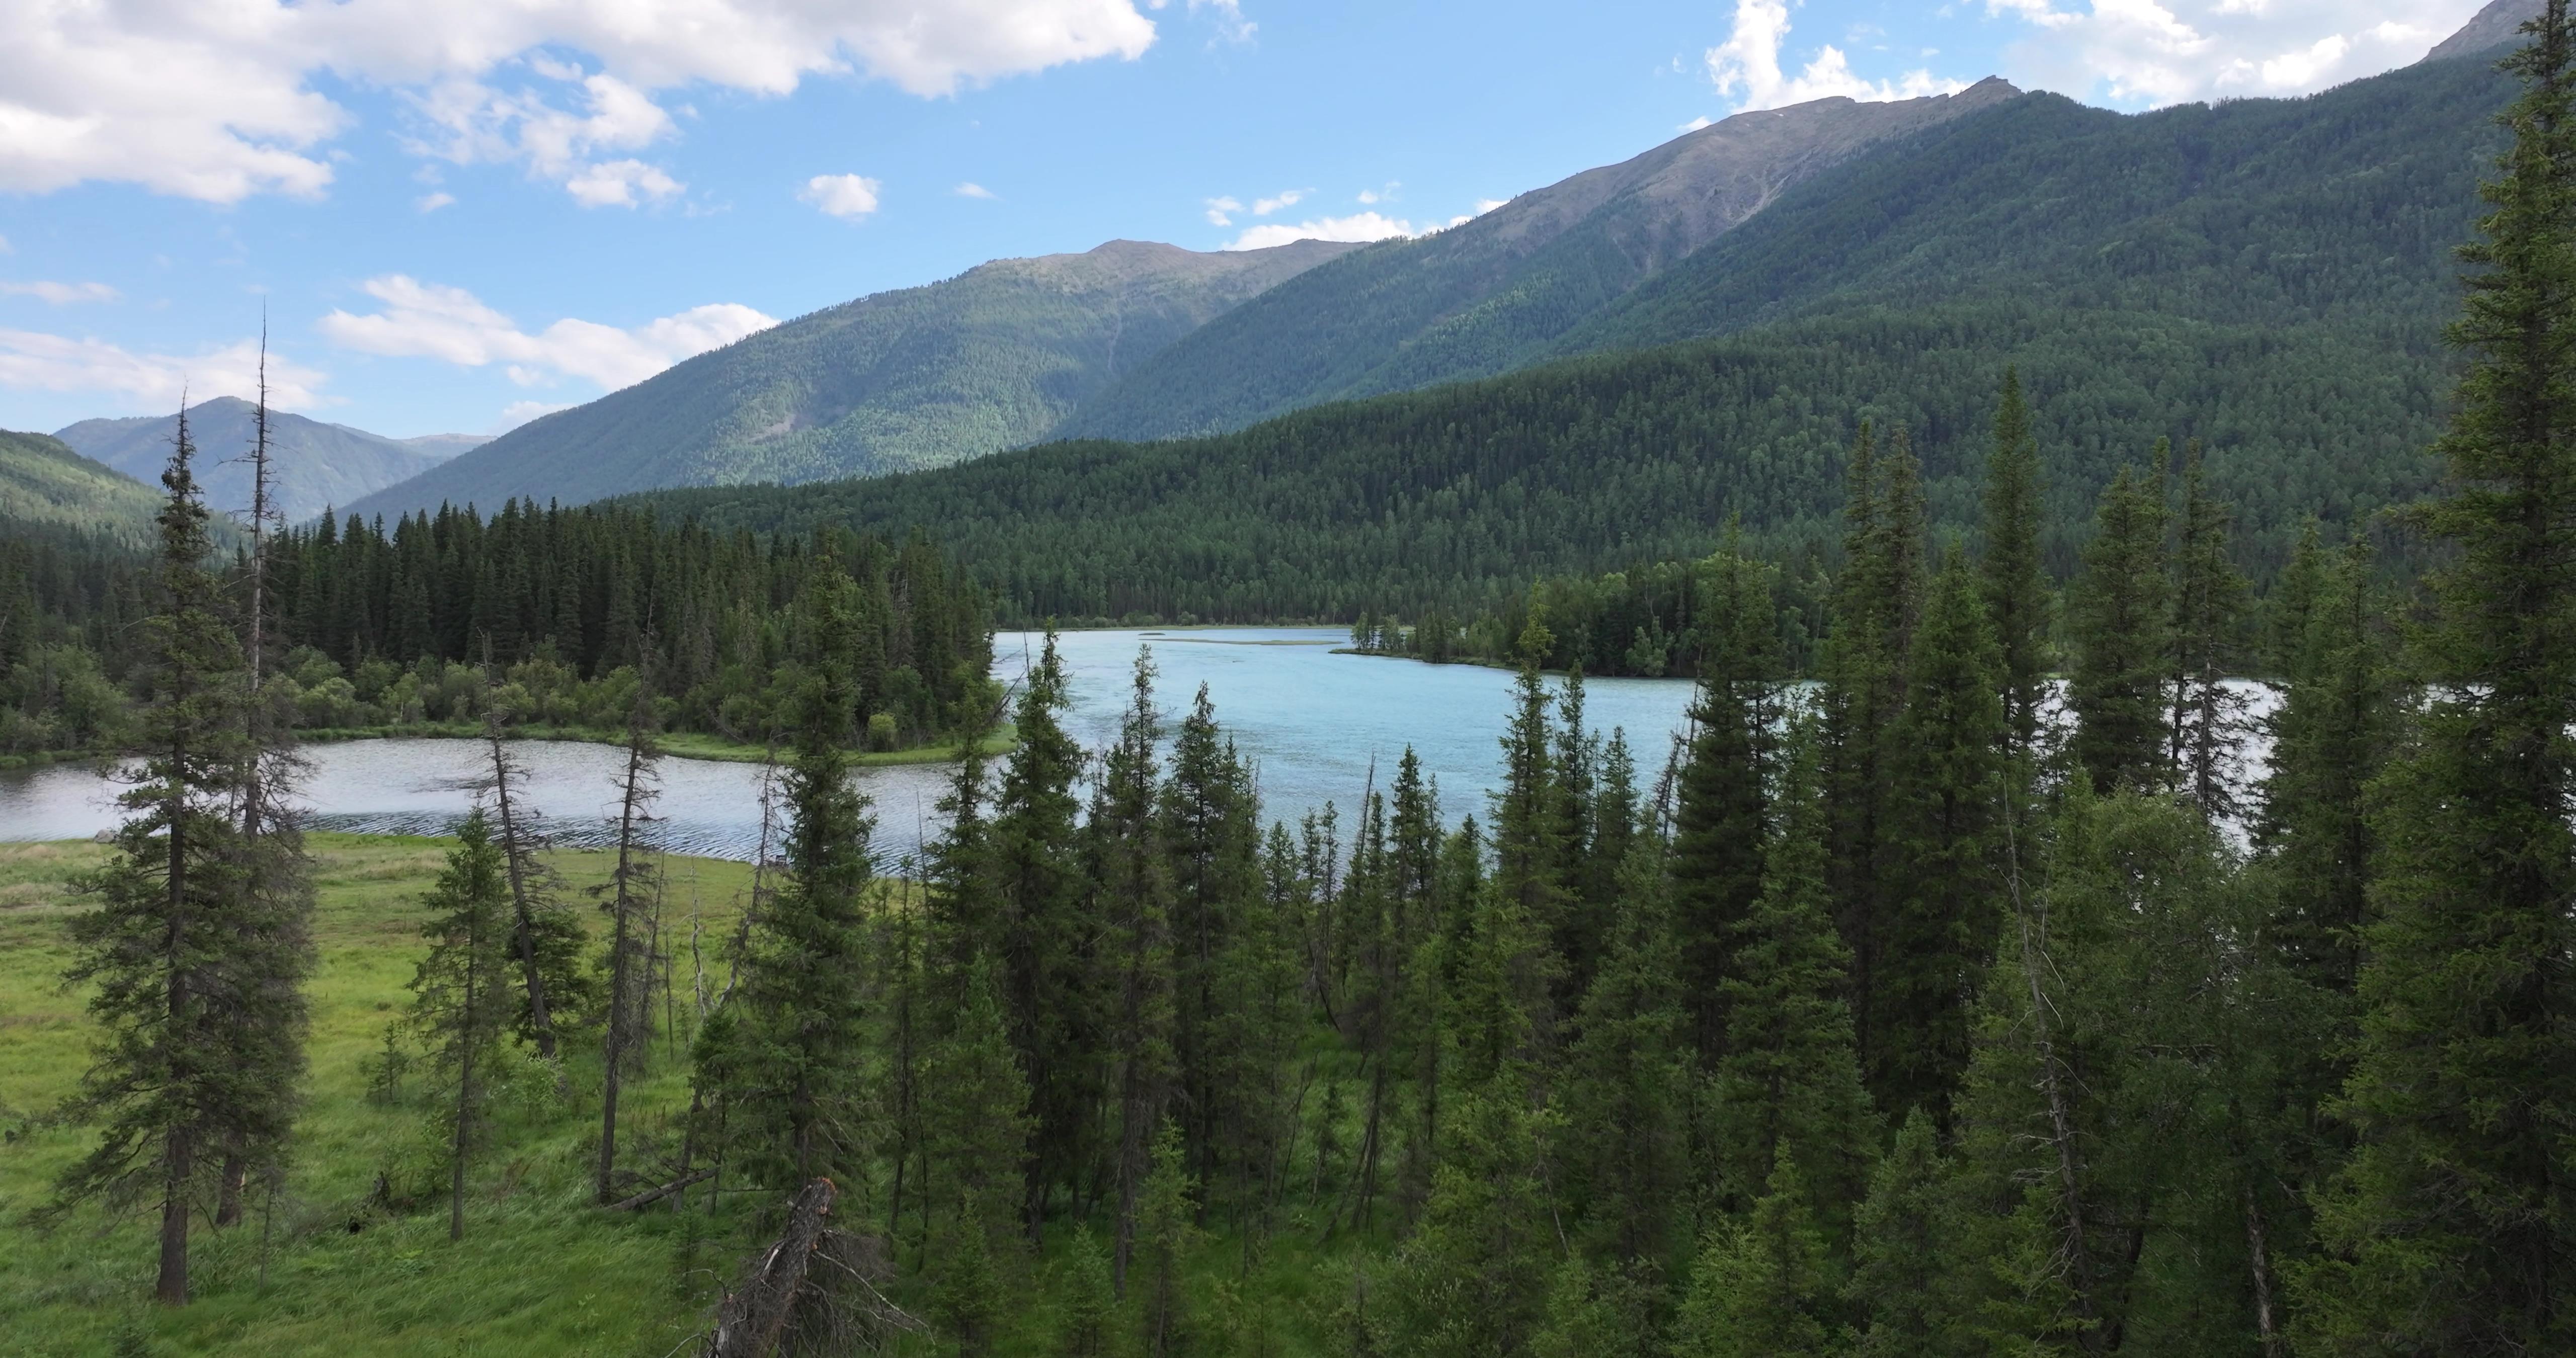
(1491, 294)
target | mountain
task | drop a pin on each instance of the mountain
(318, 465)
(2490, 28)
(42, 481)
(1490, 294)
(990, 359)
(2270, 276)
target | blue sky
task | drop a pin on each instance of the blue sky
(459, 214)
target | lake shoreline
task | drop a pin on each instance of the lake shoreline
(675, 744)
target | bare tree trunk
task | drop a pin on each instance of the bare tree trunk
(179, 1163)
(621, 978)
(514, 850)
(464, 1104)
(2258, 1256)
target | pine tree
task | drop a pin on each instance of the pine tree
(1035, 865)
(1722, 819)
(1947, 769)
(1090, 1302)
(2208, 720)
(1623, 1163)
(788, 1058)
(1762, 1288)
(1789, 1082)
(2120, 615)
(1166, 1215)
(2333, 730)
(1131, 885)
(178, 952)
(461, 994)
(1530, 825)
(1901, 1261)
(2018, 603)
(2454, 1223)
(978, 1136)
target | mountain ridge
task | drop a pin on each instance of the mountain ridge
(1479, 297)
(990, 358)
(318, 464)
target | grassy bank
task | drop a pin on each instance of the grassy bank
(540, 1272)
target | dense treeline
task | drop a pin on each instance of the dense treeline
(551, 615)
(1453, 499)
(2267, 276)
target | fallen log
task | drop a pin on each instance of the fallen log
(754, 1315)
(653, 1195)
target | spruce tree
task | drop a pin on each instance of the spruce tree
(461, 993)
(1948, 769)
(2017, 598)
(1762, 1287)
(1053, 1004)
(2119, 617)
(788, 1059)
(1166, 1229)
(978, 1135)
(1789, 1083)
(2208, 716)
(2454, 1223)
(2333, 728)
(175, 947)
(1901, 1259)
(1623, 1161)
(1722, 817)
(1131, 885)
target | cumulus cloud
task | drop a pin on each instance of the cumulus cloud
(432, 202)
(971, 189)
(1220, 211)
(1384, 194)
(1747, 65)
(1359, 226)
(31, 360)
(2147, 53)
(847, 196)
(218, 100)
(1263, 207)
(428, 320)
(61, 294)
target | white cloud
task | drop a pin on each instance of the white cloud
(430, 321)
(432, 202)
(847, 196)
(152, 382)
(1263, 207)
(61, 294)
(971, 189)
(1385, 194)
(620, 183)
(1697, 123)
(518, 413)
(216, 99)
(1485, 205)
(1358, 226)
(1748, 62)
(1220, 211)
(2148, 53)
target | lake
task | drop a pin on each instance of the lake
(1317, 727)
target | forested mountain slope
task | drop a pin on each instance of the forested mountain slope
(1479, 298)
(317, 465)
(43, 481)
(920, 377)
(2338, 208)
(2270, 277)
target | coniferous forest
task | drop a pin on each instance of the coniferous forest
(2126, 931)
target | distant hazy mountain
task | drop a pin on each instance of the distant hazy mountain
(1491, 294)
(43, 481)
(2498, 24)
(318, 465)
(988, 360)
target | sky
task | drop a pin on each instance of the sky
(455, 216)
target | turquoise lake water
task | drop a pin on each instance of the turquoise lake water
(1313, 723)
